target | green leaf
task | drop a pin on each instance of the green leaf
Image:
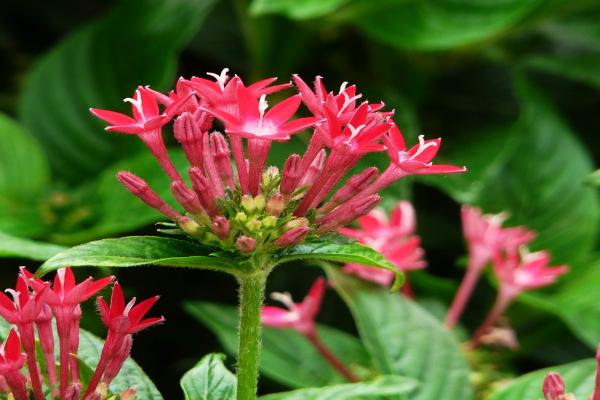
(382, 386)
(132, 251)
(294, 9)
(579, 67)
(436, 24)
(578, 377)
(349, 252)
(24, 176)
(11, 246)
(117, 209)
(287, 357)
(403, 339)
(136, 44)
(209, 380)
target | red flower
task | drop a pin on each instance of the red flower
(11, 362)
(298, 316)
(253, 121)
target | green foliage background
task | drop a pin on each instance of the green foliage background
(510, 85)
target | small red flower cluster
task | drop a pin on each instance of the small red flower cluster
(32, 307)
(290, 204)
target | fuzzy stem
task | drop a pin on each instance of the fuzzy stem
(335, 362)
(502, 302)
(252, 293)
(464, 293)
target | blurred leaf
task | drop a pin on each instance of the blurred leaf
(578, 377)
(287, 357)
(535, 170)
(133, 251)
(436, 24)
(326, 249)
(382, 386)
(296, 9)
(576, 29)
(89, 69)
(404, 339)
(594, 178)
(579, 67)
(24, 176)
(118, 210)
(209, 380)
(11, 246)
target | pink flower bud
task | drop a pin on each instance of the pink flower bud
(221, 227)
(210, 165)
(553, 387)
(314, 169)
(291, 237)
(275, 205)
(203, 119)
(74, 391)
(189, 135)
(186, 197)
(201, 186)
(139, 188)
(347, 213)
(245, 244)
(351, 188)
(291, 174)
(221, 155)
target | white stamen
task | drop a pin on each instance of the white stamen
(285, 299)
(129, 306)
(15, 295)
(423, 146)
(347, 101)
(137, 101)
(262, 107)
(343, 87)
(220, 78)
(354, 131)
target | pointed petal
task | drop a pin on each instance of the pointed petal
(112, 117)
(394, 140)
(228, 119)
(12, 346)
(117, 301)
(247, 104)
(104, 310)
(284, 110)
(149, 104)
(97, 285)
(147, 323)
(440, 169)
(137, 313)
(277, 317)
(300, 124)
(257, 87)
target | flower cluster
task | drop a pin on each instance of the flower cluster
(554, 386)
(235, 201)
(394, 237)
(33, 306)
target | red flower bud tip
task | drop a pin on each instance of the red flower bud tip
(221, 227)
(291, 237)
(11, 362)
(74, 391)
(553, 387)
(221, 155)
(297, 316)
(186, 197)
(201, 186)
(189, 134)
(139, 188)
(203, 119)
(275, 205)
(210, 165)
(314, 170)
(128, 394)
(347, 213)
(245, 244)
(291, 174)
(355, 185)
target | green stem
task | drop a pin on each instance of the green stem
(252, 293)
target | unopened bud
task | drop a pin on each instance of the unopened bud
(245, 244)
(259, 202)
(270, 177)
(117, 360)
(139, 188)
(296, 223)
(188, 225)
(314, 169)
(201, 185)
(248, 204)
(293, 236)
(203, 119)
(553, 387)
(188, 133)
(275, 205)
(353, 186)
(128, 394)
(347, 213)
(221, 227)
(269, 221)
(186, 197)
(221, 156)
(291, 174)
(241, 217)
(253, 225)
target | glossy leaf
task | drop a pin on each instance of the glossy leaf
(404, 339)
(287, 357)
(294, 9)
(24, 176)
(331, 250)
(578, 377)
(377, 388)
(579, 67)
(89, 70)
(436, 24)
(132, 251)
(209, 380)
(12, 246)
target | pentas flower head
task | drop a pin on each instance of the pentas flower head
(298, 316)
(127, 318)
(523, 271)
(393, 237)
(236, 201)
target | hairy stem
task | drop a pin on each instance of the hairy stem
(252, 293)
